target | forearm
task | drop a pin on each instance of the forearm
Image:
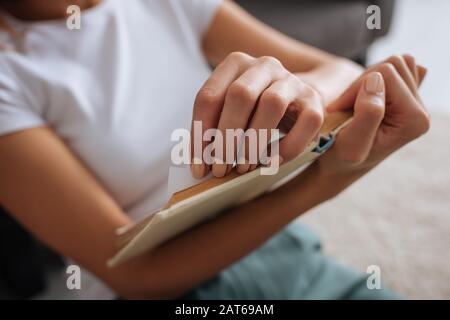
(329, 74)
(202, 252)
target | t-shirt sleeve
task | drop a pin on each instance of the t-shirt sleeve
(17, 111)
(200, 13)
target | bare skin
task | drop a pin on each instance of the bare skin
(59, 200)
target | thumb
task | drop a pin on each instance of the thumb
(355, 141)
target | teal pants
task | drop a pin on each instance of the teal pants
(290, 265)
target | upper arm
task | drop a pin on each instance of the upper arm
(233, 29)
(47, 189)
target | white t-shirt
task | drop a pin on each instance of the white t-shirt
(113, 91)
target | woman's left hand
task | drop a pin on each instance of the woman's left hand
(388, 113)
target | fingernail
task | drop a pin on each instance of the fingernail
(219, 170)
(374, 83)
(243, 168)
(198, 170)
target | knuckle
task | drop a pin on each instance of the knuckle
(374, 110)
(309, 92)
(275, 102)
(242, 93)
(409, 57)
(423, 122)
(238, 57)
(387, 69)
(418, 124)
(207, 97)
(292, 78)
(271, 61)
(395, 59)
(316, 96)
(315, 117)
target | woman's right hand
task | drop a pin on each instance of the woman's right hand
(243, 93)
(388, 113)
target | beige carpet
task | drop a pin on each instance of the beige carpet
(397, 217)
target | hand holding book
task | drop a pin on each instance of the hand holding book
(364, 140)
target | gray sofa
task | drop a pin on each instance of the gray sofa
(337, 26)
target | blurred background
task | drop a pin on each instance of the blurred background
(423, 29)
(398, 217)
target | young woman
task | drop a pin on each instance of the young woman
(85, 123)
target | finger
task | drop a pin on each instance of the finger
(400, 65)
(208, 106)
(309, 108)
(389, 72)
(400, 100)
(412, 66)
(240, 101)
(356, 139)
(270, 110)
(411, 63)
(346, 100)
(422, 71)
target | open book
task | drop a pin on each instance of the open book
(194, 205)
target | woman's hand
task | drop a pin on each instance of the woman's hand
(245, 92)
(388, 113)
